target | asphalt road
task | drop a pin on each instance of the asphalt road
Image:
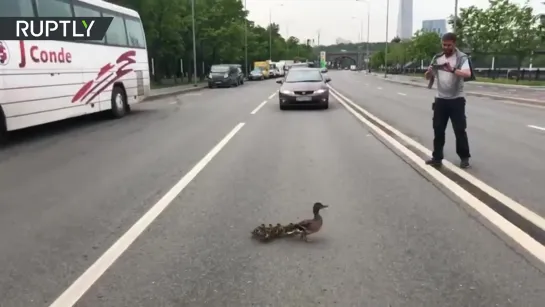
(507, 154)
(535, 93)
(390, 237)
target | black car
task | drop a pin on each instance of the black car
(304, 86)
(256, 74)
(225, 75)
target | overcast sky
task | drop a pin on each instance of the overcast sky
(334, 18)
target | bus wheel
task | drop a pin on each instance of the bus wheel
(3, 127)
(119, 102)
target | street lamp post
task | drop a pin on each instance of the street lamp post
(246, 40)
(454, 25)
(194, 45)
(386, 46)
(270, 34)
(368, 30)
(360, 38)
(270, 31)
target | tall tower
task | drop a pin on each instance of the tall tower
(405, 19)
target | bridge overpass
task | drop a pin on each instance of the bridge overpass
(356, 57)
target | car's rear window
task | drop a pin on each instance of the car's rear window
(304, 75)
(219, 69)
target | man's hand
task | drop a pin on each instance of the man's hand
(429, 73)
(447, 67)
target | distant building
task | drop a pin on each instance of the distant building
(405, 19)
(438, 26)
(341, 40)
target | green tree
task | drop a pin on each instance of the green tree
(377, 59)
(424, 45)
(472, 30)
(523, 35)
(219, 32)
(398, 53)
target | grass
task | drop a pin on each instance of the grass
(497, 80)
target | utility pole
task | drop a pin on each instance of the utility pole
(455, 24)
(246, 39)
(270, 34)
(368, 31)
(194, 45)
(318, 44)
(386, 46)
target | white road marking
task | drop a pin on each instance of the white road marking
(71, 295)
(402, 94)
(536, 127)
(366, 84)
(174, 102)
(273, 94)
(379, 88)
(522, 238)
(259, 107)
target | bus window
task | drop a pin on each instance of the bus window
(136, 36)
(54, 8)
(116, 34)
(82, 11)
(16, 8)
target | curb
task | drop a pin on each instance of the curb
(178, 92)
(513, 86)
(477, 94)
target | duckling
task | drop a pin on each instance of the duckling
(291, 229)
(260, 231)
(313, 225)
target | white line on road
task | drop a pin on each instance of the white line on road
(402, 94)
(259, 107)
(174, 102)
(273, 94)
(71, 295)
(536, 127)
(522, 238)
(379, 88)
(366, 84)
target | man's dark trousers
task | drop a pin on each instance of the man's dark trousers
(443, 109)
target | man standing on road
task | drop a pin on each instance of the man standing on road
(450, 69)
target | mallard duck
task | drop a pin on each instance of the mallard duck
(313, 225)
(305, 228)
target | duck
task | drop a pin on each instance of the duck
(310, 226)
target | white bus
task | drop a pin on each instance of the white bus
(46, 81)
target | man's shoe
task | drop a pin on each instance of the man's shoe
(464, 163)
(434, 162)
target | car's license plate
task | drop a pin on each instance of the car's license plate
(303, 98)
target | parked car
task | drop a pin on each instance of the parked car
(324, 71)
(256, 74)
(303, 87)
(225, 75)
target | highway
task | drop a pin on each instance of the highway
(212, 165)
(506, 153)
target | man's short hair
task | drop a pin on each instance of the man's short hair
(449, 37)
